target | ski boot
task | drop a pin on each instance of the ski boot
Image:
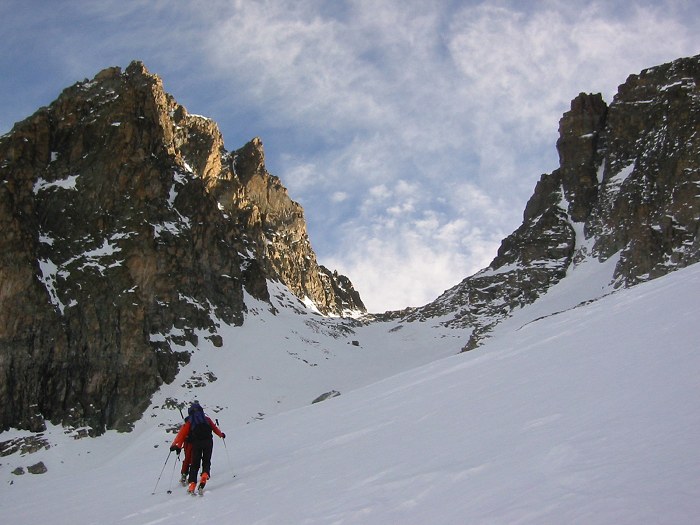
(202, 483)
(191, 488)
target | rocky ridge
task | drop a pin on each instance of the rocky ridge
(129, 230)
(627, 187)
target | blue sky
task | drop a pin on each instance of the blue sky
(411, 132)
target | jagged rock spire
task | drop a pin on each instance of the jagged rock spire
(128, 231)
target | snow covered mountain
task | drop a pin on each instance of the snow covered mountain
(132, 236)
(581, 415)
(127, 228)
(133, 283)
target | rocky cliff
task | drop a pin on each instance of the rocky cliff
(628, 187)
(128, 229)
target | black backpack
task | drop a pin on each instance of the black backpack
(199, 426)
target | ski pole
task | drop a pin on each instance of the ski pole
(177, 460)
(230, 465)
(161, 472)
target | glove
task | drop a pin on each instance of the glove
(223, 435)
(175, 449)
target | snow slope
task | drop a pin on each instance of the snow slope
(586, 416)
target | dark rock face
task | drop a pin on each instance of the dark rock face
(649, 209)
(37, 468)
(628, 186)
(23, 445)
(128, 231)
(277, 223)
(340, 291)
(579, 142)
(327, 395)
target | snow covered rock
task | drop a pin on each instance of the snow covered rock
(327, 395)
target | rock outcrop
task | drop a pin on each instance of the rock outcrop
(129, 230)
(628, 186)
(130, 234)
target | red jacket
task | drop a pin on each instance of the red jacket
(184, 431)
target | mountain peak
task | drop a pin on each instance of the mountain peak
(627, 190)
(130, 233)
(580, 132)
(136, 67)
(250, 159)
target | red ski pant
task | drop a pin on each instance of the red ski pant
(187, 447)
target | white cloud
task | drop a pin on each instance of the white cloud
(299, 174)
(379, 193)
(406, 262)
(339, 196)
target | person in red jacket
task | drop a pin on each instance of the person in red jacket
(187, 447)
(198, 430)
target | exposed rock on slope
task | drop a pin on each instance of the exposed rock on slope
(128, 229)
(628, 186)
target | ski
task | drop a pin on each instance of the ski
(199, 490)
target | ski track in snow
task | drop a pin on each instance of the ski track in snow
(586, 416)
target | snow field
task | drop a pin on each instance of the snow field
(586, 416)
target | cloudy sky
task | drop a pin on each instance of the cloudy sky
(412, 132)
